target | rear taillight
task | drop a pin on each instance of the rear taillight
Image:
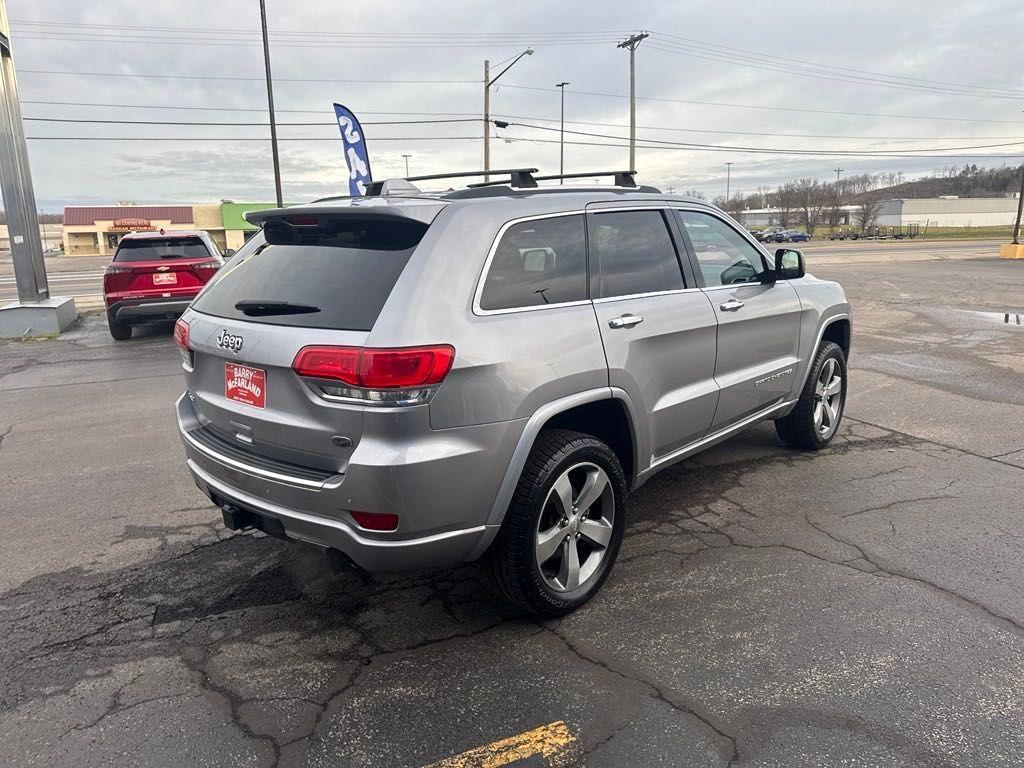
(181, 339)
(206, 268)
(403, 376)
(112, 281)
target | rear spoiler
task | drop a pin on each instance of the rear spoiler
(423, 211)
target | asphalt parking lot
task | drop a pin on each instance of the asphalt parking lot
(861, 606)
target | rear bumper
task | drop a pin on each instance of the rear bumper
(442, 488)
(142, 310)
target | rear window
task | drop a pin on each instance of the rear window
(336, 275)
(156, 248)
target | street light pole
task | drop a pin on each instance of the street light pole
(16, 181)
(631, 44)
(406, 163)
(270, 106)
(561, 134)
(488, 82)
(728, 180)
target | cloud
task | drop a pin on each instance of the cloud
(917, 39)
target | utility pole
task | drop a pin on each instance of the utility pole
(406, 163)
(728, 179)
(631, 44)
(487, 118)
(561, 134)
(835, 212)
(488, 82)
(270, 106)
(1020, 208)
(16, 181)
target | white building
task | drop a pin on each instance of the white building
(923, 211)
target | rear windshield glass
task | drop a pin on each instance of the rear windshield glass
(156, 248)
(336, 275)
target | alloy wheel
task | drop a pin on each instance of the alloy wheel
(574, 529)
(828, 400)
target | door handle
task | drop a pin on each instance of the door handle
(731, 305)
(626, 321)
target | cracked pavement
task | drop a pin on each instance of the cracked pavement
(860, 606)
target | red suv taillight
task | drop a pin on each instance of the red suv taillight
(402, 376)
(115, 278)
(206, 269)
(181, 339)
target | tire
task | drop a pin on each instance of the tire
(800, 428)
(119, 331)
(515, 563)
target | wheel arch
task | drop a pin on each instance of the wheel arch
(607, 413)
(837, 328)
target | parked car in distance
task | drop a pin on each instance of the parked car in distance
(796, 236)
(423, 379)
(154, 276)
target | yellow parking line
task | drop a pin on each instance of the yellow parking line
(554, 742)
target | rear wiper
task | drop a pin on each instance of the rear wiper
(257, 308)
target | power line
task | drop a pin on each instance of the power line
(53, 37)
(837, 77)
(243, 78)
(224, 109)
(806, 153)
(473, 117)
(875, 153)
(231, 139)
(774, 109)
(206, 123)
(818, 65)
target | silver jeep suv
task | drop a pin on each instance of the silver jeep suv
(421, 379)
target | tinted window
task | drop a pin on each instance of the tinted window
(339, 274)
(156, 248)
(724, 255)
(635, 253)
(536, 263)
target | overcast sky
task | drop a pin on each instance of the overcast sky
(836, 58)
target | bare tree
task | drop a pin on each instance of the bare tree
(811, 198)
(786, 202)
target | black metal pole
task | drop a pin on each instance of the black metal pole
(561, 134)
(270, 106)
(1020, 208)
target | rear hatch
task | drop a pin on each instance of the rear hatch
(308, 279)
(152, 266)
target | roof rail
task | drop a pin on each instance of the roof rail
(519, 176)
(622, 178)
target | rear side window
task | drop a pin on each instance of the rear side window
(634, 253)
(538, 262)
(336, 275)
(156, 248)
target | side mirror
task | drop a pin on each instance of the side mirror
(789, 264)
(229, 252)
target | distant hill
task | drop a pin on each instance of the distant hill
(966, 181)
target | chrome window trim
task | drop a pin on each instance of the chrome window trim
(482, 278)
(608, 299)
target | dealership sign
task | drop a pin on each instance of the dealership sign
(132, 225)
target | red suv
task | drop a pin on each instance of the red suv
(154, 276)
